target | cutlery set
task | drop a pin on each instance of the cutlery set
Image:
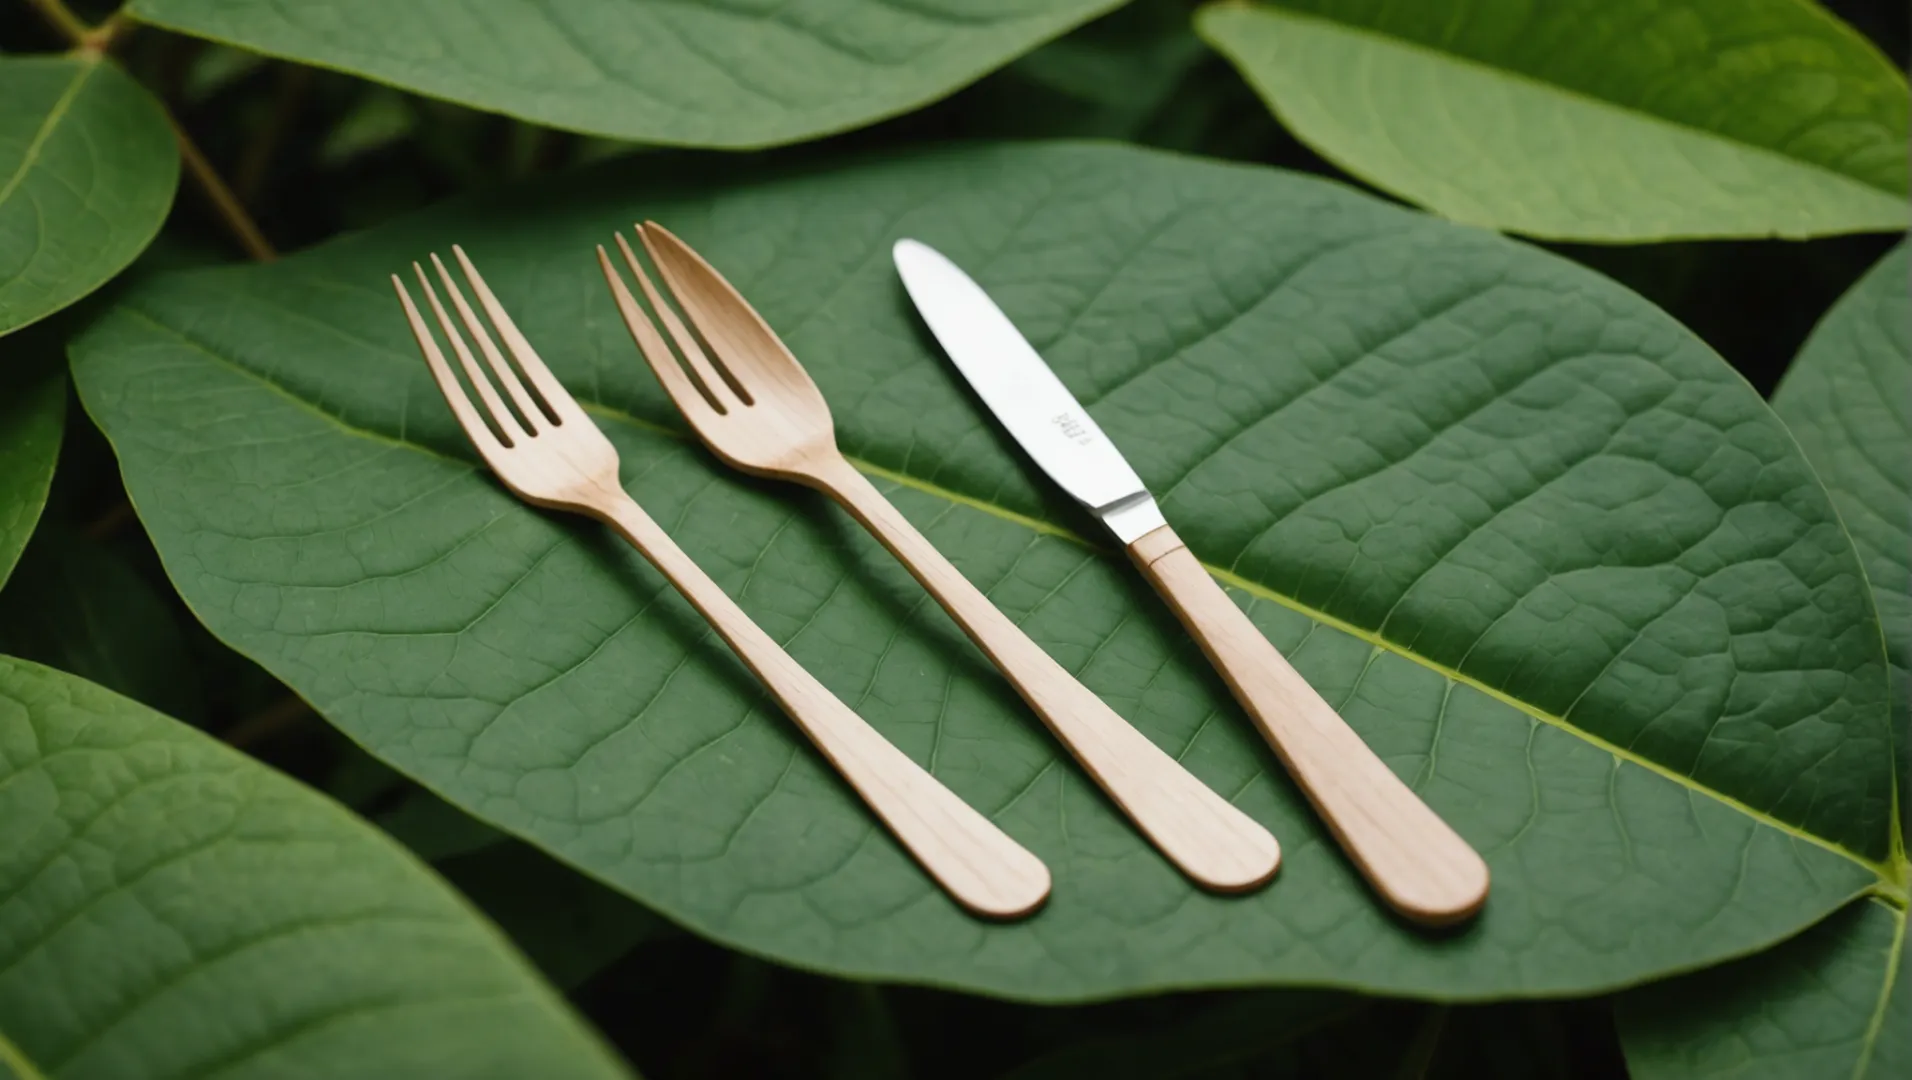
(753, 405)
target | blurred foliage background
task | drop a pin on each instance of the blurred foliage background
(312, 154)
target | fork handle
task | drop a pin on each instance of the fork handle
(976, 862)
(1212, 841)
(1420, 866)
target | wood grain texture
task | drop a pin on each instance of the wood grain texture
(1418, 864)
(558, 458)
(979, 865)
(1211, 840)
(758, 410)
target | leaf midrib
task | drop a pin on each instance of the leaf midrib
(1892, 872)
(1569, 92)
(16, 1059)
(53, 117)
(1877, 1022)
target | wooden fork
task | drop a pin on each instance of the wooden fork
(762, 413)
(551, 454)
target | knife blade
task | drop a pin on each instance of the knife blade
(1417, 863)
(1006, 372)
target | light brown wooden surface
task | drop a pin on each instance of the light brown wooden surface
(762, 413)
(563, 461)
(1420, 866)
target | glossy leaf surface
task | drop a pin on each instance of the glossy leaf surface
(1837, 1001)
(1547, 553)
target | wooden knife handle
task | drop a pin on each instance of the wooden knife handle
(1420, 866)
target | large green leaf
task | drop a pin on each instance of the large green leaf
(169, 907)
(1549, 554)
(32, 419)
(1837, 1001)
(659, 71)
(1590, 119)
(87, 171)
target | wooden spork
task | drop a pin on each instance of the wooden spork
(762, 414)
(549, 452)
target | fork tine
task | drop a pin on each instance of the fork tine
(532, 416)
(563, 405)
(710, 300)
(706, 375)
(691, 399)
(461, 406)
(508, 425)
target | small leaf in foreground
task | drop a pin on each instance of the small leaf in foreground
(32, 420)
(87, 172)
(169, 907)
(1603, 120)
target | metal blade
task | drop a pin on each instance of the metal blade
(1024, 394)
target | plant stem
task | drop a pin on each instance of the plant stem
(61, 18)
(267, 722)
(103, 37)
(109, 522)
(224, 202)
(97, 40)
(249, 175)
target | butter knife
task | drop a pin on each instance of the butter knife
(1418, 864)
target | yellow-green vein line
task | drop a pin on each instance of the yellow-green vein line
(53, 118)
(1877, 1023)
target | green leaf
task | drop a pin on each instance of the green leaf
(1837, 1001)
(32, 419)
(169, 907)
(657, 71)
(1848, 400)
(1604, 120)
(1547, 552)
(79, 607)
(87, 171)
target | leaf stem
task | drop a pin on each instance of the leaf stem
(267, 722)
(68, 25)
(97, 40)
(224, 202)
(103, 37)
(250, 173)
(109, 522)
